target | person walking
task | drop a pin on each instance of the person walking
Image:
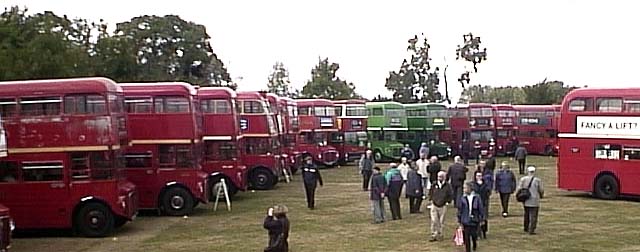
(483, 190)
(395, 184)
(404, 168)
(378, 188)
(532, 204)
(521, 156)
(424, 150)
(441, 195)
(277, 224)
(470, 215)
(414, 191)
(311, 177)
(477, 150)
(456, 175)
(505, 186)
(423, 166)
(366, 168)
(491, 162)
(434, 168)
(466, 150)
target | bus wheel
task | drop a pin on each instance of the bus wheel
(94, 220)
(120, 221)
(177, 201)
(548, 150)
(377, 155)
(262, 179)
(607, 187)
(231, 189)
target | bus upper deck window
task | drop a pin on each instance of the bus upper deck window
(581, 104)
(632, 106)
(609, 104)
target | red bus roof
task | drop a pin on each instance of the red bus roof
(352, 101)
(288, 101)
(249, 95)
(216, 93)
(58, 86)
(503, 106)
(159, 88)
(314, 102)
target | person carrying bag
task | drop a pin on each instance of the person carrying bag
(523, 194)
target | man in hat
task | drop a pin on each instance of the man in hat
(532, 204)
(378, 188)
(311, 177)
(366, 168)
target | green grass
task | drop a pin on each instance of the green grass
(342, 222)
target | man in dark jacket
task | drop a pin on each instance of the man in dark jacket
(414, 190)
(311, 177)
(484, 191)
(278, 225)
(521, 156)
(378, 188)
(434, 168)
(395, 182)
(366, 168)
(505, 186)
(440, 194)
(491, 162)
(470, 215)
(456, 175)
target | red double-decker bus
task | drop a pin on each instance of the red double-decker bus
(472, 125)
(599, 139)
(163, 160)
(505, 117)
(260, 143)
(6, 227)
(285, 115)
(222, 157)
(64, 140)
(351, 139)
(538, 128)
(317, 123)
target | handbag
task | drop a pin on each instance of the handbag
(278, 245)
(523, 194)
(458, 238)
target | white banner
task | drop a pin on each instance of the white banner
(608, 125)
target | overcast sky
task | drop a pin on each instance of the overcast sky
(578, 42)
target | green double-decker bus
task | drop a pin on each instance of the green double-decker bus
(387, 120)
(425, 122)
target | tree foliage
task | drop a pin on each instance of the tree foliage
(541, 93)
(146, 48)
(470, 52)
(415, 81)
(325, 84)
(279, 81)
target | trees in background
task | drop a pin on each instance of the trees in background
(326, 84)
(545, 92)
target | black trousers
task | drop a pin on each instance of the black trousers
(414, 204)
(394, 205)
(530, 219)
(366, 177)
(484, 226)
(470, 234)
(457, 193)
(311, 195)
(504, 200)
(433, 177)
(521, 164)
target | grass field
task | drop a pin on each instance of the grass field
(342, 222)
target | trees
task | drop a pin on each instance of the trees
(545, 92)
(541, 93)
(279, 81)
(325, 84)
(415, 81)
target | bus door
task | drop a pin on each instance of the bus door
(139, 170)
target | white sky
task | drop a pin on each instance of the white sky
(578, 42)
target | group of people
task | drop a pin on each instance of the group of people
(425, 179)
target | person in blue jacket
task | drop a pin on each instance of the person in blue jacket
(470, 215)
(505, 186)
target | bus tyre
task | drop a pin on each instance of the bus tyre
(377, 155)
(120, 221)
(231, 189)
(262, 179)
(607, 187)
(94, 220)
(177, 201)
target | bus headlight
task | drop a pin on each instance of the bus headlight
(284, 155)
(319, 156)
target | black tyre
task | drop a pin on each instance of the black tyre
(231, 188)
(262, 179)
(94, 220)
(607, 187)
(120, 221)
(177, 201)
(377, 155)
